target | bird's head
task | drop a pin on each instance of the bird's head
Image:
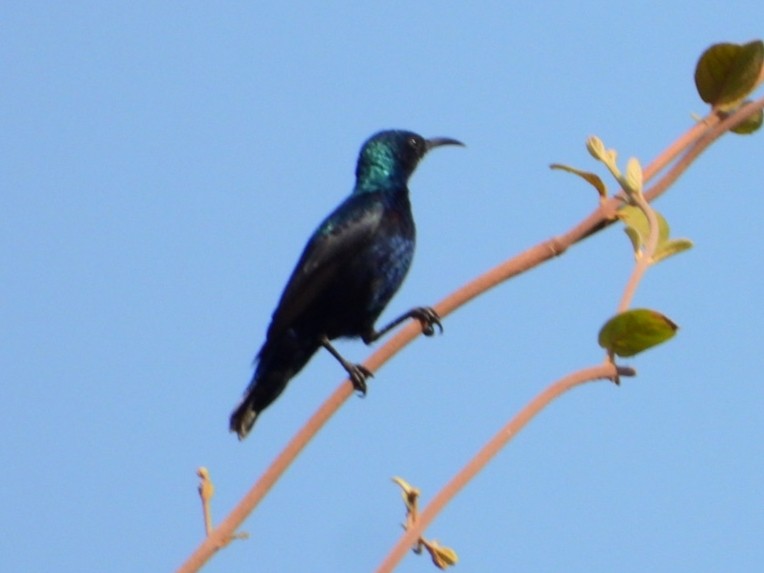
(391, 156)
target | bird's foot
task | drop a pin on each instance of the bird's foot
(358, 374)
(429, 319)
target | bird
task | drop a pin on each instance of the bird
(351, 267)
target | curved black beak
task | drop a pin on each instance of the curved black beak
(438, 141)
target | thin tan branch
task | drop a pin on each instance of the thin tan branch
(606, 371)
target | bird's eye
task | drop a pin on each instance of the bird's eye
(413, 142)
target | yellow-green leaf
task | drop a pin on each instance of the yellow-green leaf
(671, 247)
(635, 331)
(409, 493)
(595, 147)
(591, 178)
(608, 157)
(635, 238)
(750, 124)
(726, 73)
(633, 217)
(442, 557)
(633, 178)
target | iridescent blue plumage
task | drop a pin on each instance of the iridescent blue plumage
(350, 269)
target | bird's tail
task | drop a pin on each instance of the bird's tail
(277, 363)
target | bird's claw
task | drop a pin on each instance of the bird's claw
(429, 319)
(358, 374)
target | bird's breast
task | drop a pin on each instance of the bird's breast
(390, 257)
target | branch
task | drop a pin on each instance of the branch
(697, 139)
(606, 371)
(418, 522)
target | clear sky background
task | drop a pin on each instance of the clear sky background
(163, 164)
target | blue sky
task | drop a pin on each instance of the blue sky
(163, 165)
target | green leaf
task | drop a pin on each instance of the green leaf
(591, 178)
(727, 73)
(635, 238)
(750, 124)
(669, 248)
(634, 218)
(635, 331)
(638, 229)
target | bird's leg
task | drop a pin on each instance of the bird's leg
(357, 372)
(424, 314)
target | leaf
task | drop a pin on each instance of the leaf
(442, 557)
(410, 494)
(607, 157)
(633, 217)
(595, 147)
(635, 238)
(726, 73)
(670, 248)
(637, 229)
(635, 331)
(591, 178)
(750, 124)
(633, 178)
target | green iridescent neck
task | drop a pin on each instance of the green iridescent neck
(378, 169)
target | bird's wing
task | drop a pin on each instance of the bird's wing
(339, 237)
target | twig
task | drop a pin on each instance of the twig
(206, 491)
(606, 371)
